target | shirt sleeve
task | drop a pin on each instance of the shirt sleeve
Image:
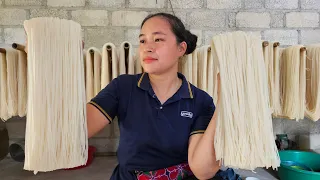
(107, 100)
(201, 123)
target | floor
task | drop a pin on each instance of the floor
(100, 169)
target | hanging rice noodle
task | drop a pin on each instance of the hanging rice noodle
(293, 82)
(195, 68)
(22, 83)
(56, 129)
(202, 65)
(185, 66)
(276, 106)
(84, 66)
(203, 55)
(108, 57)
(4, 115)
(271, 59)
(97, 70)
(210, 70)
(126, 58)
(93, 72)
(137, 64)
(313, 82)
(12, 75)
(244, 132)
(268, 60)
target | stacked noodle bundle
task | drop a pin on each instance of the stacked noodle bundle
(56, 130)
(313, 82)
(244, 133)
(293, 82)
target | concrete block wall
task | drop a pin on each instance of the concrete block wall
(287, 21)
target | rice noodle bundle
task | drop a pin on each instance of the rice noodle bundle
(185, 66)
(12, 80)
(4, 115)
(108, 64)
(195, 68)
(202, 53)
(313, 82)
(271, 59)
(203, 59)
(137, 64)
(126, 62)
(22, 83)
(56, 130)
(93, 72)
(244, 132)
(293, 82)
(276, 106)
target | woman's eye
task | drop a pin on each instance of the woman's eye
(141, 41)
(158, 40)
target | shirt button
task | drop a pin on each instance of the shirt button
(161, 107)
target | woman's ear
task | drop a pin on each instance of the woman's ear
(182, 48)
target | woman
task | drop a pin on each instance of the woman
(167, 125)
(165, 122)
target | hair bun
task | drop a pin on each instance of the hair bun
(191, 41)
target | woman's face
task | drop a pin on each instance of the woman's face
(158, 49)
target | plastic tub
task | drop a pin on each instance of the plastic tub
(297, 165)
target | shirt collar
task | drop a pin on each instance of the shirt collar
(185, 90)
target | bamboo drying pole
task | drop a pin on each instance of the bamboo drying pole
(126, 45)
(3, 51)
(265, 43)
(109, 48)
(303, 49)
(18, 47)
(91, 51)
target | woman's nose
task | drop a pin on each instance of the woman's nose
(149, 47)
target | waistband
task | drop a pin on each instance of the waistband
(176, 172)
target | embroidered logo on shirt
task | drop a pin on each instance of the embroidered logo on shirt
(186, 114)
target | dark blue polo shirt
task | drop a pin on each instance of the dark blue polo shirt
(152, 135)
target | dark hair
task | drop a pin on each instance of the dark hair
(177, 27)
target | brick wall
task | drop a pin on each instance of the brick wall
(287, 21)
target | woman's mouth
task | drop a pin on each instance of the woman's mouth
(149, 60)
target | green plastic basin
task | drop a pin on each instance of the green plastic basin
(294, 165)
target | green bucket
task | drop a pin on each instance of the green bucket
(299, 165)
